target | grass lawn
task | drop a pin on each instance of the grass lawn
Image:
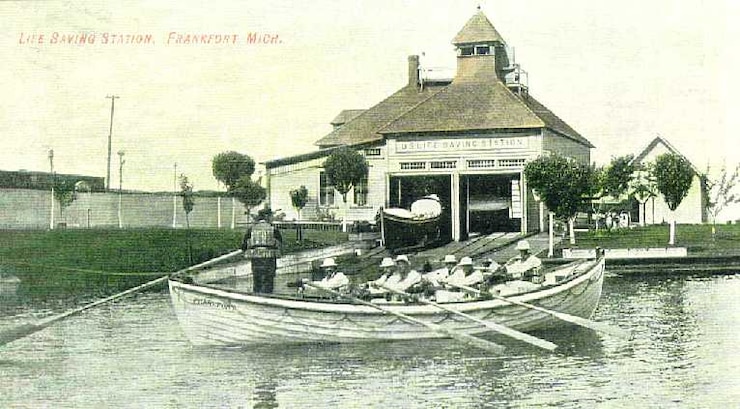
(697, 238)
(134, 250)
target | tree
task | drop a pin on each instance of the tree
(642, 187)
(673, 177)
(720, 193)
(188, 199)
(345, 167)
(616, 177)
(64, 193)
(249, 193)
(228, 168)
(188, 202)
(563, 184)
(299, 198)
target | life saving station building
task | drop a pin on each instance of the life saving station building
(465, 138)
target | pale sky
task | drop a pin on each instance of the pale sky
(620, 73)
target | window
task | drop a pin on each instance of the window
(413, 165)
(466, 50)
(326, 190)
(482, 50)
(448, 164)
(481, 163)
(372, 152)
(511, 163)
(361, 192)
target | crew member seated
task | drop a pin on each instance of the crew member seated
(525, 266)
(333, 279)
(441, 274)
(466, 275)
(387, 267)
(404, 277)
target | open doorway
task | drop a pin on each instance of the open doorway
(491, 203)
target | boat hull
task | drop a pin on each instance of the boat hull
(401, 233)
(211, 315)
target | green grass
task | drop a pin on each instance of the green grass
(697, 238)
(134, 250)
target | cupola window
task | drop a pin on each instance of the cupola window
(482, 50)
(467, 50)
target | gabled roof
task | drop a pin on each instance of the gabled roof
(477, 30)
(346, 116)
(365, 127)
(660, 140)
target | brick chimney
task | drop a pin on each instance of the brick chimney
(414, 70)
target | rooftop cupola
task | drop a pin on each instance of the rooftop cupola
(481, 51)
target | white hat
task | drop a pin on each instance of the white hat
(328, 262)
(466, 261)
(402, 257)
(522, 245)
(450, 258)
(387, 262)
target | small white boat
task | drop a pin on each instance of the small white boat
(213, 314)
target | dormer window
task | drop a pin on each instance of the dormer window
(482, 50)
(467, 50)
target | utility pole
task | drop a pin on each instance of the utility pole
(110, 137)
(51, 165)
(174, 199)
(120, 189)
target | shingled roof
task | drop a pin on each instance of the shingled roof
(478, 30)
(346, 116)
(365, 127)
(461, 107)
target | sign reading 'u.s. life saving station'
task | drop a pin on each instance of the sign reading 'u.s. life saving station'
(461, 144)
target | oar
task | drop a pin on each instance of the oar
(10, 335)
(459, 336)
(501, 329)
(596, 326)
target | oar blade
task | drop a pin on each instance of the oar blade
(476, 342)
(9, 335)
(595, 325)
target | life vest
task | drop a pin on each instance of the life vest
(263, 235)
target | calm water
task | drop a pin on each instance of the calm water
(133, 354)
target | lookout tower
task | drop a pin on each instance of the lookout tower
(482, 55)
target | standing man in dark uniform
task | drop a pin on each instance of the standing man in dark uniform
(262, 244)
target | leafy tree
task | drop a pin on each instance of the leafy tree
(642, 187)
(345, 167)
(673, 177)
(248, 192)
(616, 177)
(188, 202)
(229, 167)
(64, 193)
(188, 198)
(720, 193)
(299, 198)
(563, 184)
